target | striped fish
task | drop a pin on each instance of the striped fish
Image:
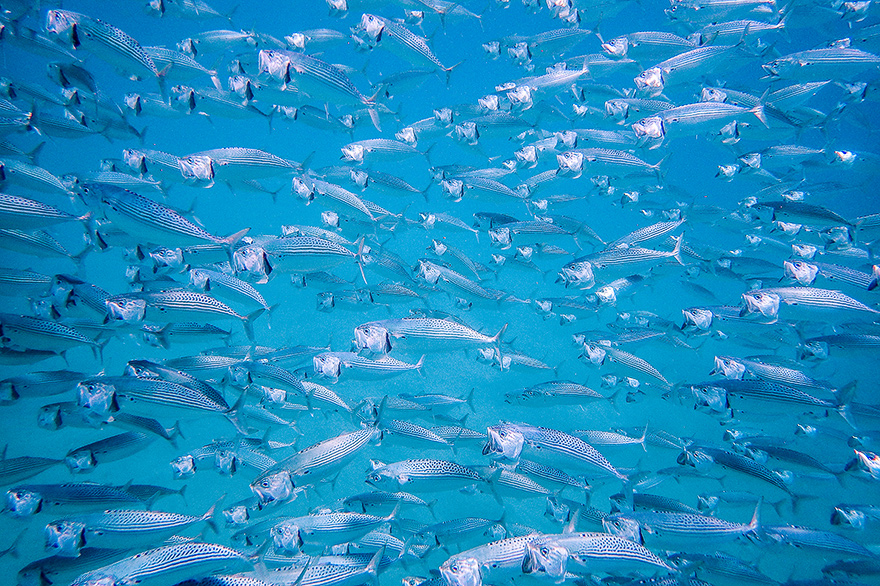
(508, 439)
(118, 528)
(331, 364)
(376, 336)
(176, 305)
(597, 353)
(102, 40)
(312, 464)
(319, 80)
(28, 214)
(168, 563)
(423, 474)
(492, 563)
(399, 40)
(24, 332)
(767, 302)
(679, 527)
(588, 553)
(143, 218)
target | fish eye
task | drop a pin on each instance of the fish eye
(545, 550)
(265, 483)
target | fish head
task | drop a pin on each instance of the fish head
(183, 98)
(438, 247)
(286, 538)
(520, 53)
(802, 271)
(23, 503)
(617, 110)
(807, 251)
(651, 127)
(303, 190)
(520, 98)
(542, 555)
(837, 238)
(407, 134)
(504, 442)
(466, 132)
(327, 365)
(62, 25)
(711, 397)
(372, 27)
(500, 237)
(79, 461)
(624, 527)
(697, 459)
(492, 49)
(274, 487)
(713, 94)
(461, 571)
(326, 301)
(197, 169)
(618, 47)
(568, 138)
(779, 67)
(274, 64)
(127, 309)
(183, 467)
(225, 462)
(381, 476)
(359, 178)
(527, 156)
(854, 518)
(816, 350)
(444, 116)
(353, 153)
(49, 417)
(708, 504)
(650, 82)
(730, 368)
(570, 163)
(453, 188)
(199, 279)
(607, 295)
(763, 302)
(298, 40)
(65, 538)
(133, 102)
(135, 160)
(242, 86)
(236, 516)
(251, 261)
(188, 46)
(594, 353)
(330, 219)
(869, 462)
(97, 397)
(486, 355)
(556, 510)
(578, 274)
(372, 337)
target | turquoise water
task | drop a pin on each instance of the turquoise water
(689, 189)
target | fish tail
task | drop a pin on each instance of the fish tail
(210, 516)
(676, 252)
(360, 258)
(642, 439)
(248, 322)
(497, 337)
(419, 365)
(232, 239)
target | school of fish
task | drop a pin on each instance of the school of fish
(438, 293)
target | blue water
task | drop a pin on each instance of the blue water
(689, 185)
